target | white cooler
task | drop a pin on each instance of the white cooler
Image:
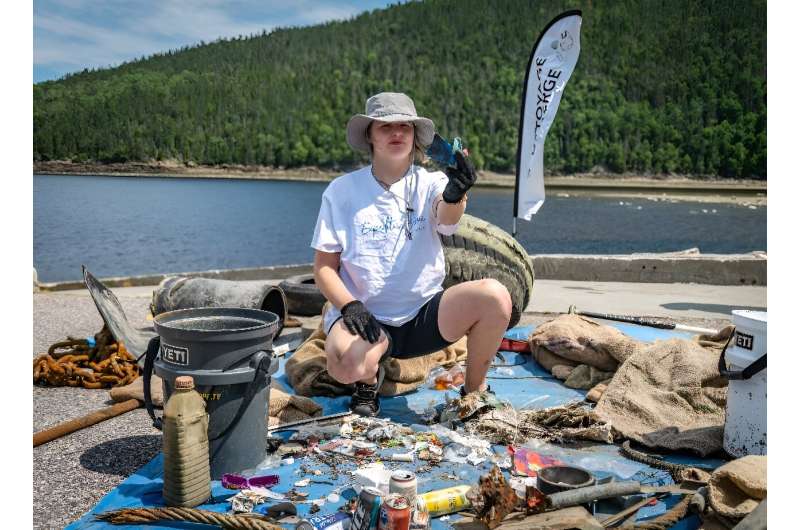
(746, 413)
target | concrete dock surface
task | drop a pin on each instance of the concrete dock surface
(72, 473)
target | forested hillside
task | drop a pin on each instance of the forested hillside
(662, 86)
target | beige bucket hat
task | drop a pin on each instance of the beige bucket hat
(388, 107)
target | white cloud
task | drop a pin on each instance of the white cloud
(58, 40)
(205, 22)
(74, 34)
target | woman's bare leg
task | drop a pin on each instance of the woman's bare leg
(480, 309)
(352, 359)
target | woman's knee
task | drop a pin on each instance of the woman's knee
(498, 297)
(353, 364)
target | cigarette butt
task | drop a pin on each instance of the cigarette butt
(402, 457)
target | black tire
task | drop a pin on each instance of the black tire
(477, 250)
(303, 297)
(480, 250)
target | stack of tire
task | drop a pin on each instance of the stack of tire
(477, 250)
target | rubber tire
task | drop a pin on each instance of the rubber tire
(477, 250)
(303, 297)
(480, 250)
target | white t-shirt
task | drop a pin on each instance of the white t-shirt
(392, 275)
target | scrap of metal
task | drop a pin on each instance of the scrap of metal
(339, 417)
(71, 426)
(631, 510)
(99, 363)
(493, 498)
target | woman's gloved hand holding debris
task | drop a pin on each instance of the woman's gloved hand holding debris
(460, 179)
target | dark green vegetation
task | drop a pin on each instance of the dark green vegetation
(661, 86)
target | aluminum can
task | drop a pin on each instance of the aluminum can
(449, 500)
(331, 521)
(367, 509)
(405, 483)
(395, 513)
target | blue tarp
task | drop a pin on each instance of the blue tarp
(532, 387)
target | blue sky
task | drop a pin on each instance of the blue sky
(70, 35)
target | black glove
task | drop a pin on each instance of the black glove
(360, 322)
(461, 178)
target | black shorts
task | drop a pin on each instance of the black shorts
(420, 335)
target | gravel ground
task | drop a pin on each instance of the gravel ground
(71, 474)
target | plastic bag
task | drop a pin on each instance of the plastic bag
(442, 379)
(597, 459)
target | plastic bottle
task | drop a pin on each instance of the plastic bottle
(187, 473)
(442, 379)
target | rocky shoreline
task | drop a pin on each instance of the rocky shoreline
(671, 187)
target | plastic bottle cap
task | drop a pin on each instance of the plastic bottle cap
(184, 382)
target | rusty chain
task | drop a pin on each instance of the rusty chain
(73, 362)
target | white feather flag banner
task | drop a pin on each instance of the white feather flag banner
(549, 68)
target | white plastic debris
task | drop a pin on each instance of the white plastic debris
(245, 500)
(505, 370)
(302, 483)
(271, 460)
(385, 432)
(269, 494)
(518, 484)
(374, 475)
(474, 459)
(319, 432)
(287, 461)
(480, 445)
(333, 498)
(346, 430)
(402, 457)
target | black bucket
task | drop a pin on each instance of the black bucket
(228, 353)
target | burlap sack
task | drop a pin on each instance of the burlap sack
(307, 372)
(572, 340)
(736, 488)
(286, 408)
(135, 390)
(585, 377)
(670, 395)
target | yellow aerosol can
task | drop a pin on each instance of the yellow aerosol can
(446, 501)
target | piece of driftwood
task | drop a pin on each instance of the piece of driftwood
(574, 517)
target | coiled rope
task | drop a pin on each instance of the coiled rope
(674, 469)
(193, 515)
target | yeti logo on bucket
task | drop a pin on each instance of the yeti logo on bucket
(175, 354)
(744, 341)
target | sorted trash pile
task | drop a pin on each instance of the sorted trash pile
(475, 459)
(373, 473)
(93, 362)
